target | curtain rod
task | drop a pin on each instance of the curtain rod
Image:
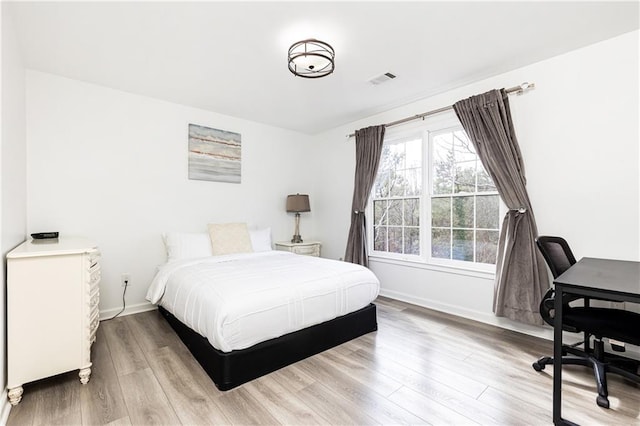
(519, 90)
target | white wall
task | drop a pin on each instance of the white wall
(112, 166)
(12, 171)
(578, 131)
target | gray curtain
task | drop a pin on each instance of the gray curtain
(369, 143)
(521, 274)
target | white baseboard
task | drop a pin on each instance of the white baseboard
(486, 318)
(6, 408)
(544, 332)
(129, 310)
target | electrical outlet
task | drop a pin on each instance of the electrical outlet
(125, 279)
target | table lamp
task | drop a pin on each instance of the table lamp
(295, 204)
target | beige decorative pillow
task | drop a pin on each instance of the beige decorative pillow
(229, 238)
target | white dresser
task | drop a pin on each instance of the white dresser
(52, 310)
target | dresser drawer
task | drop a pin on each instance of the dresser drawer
(311, 250)
(93, 260)
(94, 301)
(94, 278)
(92, 334)
(95, 322)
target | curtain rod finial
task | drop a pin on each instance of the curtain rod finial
(525, 87)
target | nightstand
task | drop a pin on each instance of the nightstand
(309, 248)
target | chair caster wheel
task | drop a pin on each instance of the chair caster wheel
(540, 363)
(602, 401)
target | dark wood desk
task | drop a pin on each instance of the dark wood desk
(604, 279)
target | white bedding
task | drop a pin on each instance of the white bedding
(236, 301)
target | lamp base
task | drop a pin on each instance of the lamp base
(296, 232)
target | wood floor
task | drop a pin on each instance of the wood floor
(420, 367)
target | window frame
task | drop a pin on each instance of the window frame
(426, 130)
(396, 138)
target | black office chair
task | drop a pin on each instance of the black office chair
(616, 324)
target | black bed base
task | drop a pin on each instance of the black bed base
(231, 369)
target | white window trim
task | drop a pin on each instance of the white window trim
(399, 137)
(421, 264)
(425, 260)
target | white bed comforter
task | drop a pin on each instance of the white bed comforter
(236, 301)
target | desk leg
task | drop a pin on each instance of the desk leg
(557, 358)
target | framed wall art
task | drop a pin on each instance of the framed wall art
(214, 154)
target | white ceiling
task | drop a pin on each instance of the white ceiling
(231, 57)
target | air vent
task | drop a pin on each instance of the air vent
(382, 78)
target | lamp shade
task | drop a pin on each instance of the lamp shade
(298, 203)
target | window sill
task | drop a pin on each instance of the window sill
(470, 272)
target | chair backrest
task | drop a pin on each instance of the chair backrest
(556, 253)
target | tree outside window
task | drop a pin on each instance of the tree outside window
(396, 198)
(462, 201)
(465, 205)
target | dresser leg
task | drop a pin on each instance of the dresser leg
(15, 395)
(84, 375)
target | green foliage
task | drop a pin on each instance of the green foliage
(464, 222)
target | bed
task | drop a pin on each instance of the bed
(244, 315)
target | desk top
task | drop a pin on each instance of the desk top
(607, 275)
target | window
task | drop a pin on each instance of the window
(396, 198)
(465, 205)
(433, 201)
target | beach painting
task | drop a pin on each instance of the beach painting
(214, 154)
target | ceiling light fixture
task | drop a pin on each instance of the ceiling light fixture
(311, 58)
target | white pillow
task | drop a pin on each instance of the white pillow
(229, 238)
(182, 245)
(260, 239)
